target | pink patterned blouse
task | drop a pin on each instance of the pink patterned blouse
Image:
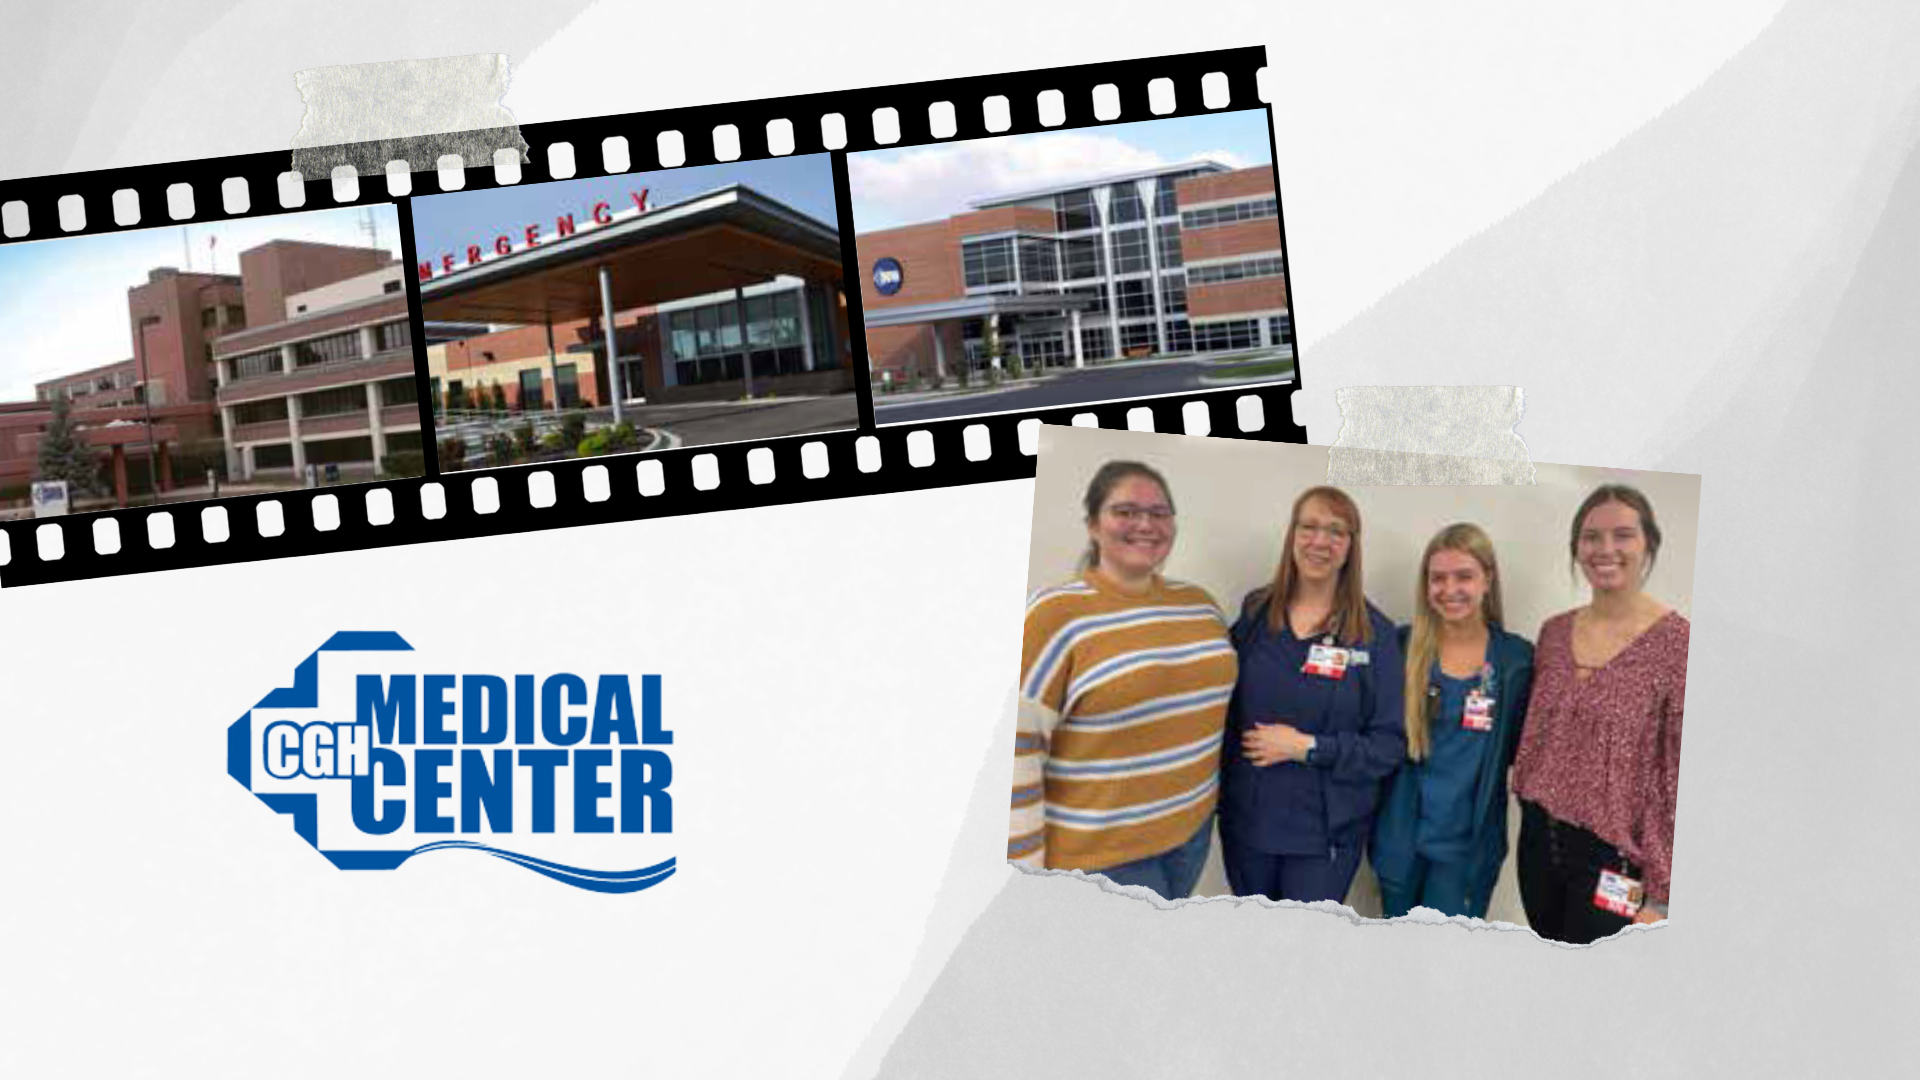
(1603, 753)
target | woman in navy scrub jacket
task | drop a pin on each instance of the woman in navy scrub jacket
(1442, 834)
(1315, 722)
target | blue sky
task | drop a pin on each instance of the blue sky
(451, 221)
(63, 301)
(925, 183)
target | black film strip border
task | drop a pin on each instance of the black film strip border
(866, 461)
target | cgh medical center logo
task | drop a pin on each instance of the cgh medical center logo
(379, 756)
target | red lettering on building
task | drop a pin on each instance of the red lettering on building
(473, 254)
(601, 214)
(503, 244)
(533, 235)
(640, 200)
(563, 225)
(446, 264)
(426, 270)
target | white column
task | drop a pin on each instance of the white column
(367, 345)
(1101, 197)
(939, 353)
(1266, 337)
(1146, 188)
(246, 463)
(374, 424)
(220, 375)
(1073, 317)
(286, 359)
(806, 326)
(293, 429)
(606, 332)
(226, 438)
(746, 350)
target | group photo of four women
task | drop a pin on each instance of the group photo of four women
(1315, 733)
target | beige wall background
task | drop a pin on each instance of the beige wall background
(1233, 498)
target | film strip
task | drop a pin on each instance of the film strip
(873, 455)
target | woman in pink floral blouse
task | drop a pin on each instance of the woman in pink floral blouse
(1598, 768)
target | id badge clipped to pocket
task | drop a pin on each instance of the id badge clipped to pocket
(1326, 661)
(1478, 715)
(1619, 894)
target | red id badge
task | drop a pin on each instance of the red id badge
(1326, 662)
(1619, 894)
(1478, 715)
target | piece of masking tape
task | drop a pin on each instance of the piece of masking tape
(366, 115)
(1410, 435)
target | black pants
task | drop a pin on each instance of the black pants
(1306, 878)
(1559, 868)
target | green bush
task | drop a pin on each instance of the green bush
(554, 440)
(406, 462)
(523, 439)
(453, 455)
(573, 428)
(499, 450)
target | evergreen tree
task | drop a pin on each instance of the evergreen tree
(64, 454)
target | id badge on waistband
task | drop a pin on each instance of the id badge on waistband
(1326, 661)
(1619, 894)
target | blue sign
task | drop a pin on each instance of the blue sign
(887, 276)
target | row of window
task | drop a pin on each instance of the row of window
(236, 317)
(772, 321)
(1040, 259)
(1266, 266)
(323, 350)
(1075, 210)
(1181, 337)
(334, 401)
(357, 449)
(766, 364)
(1227, 215)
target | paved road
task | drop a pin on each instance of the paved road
(1077, 388)
(718, 422)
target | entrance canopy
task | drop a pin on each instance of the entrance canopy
(710, 243)
(974, 307)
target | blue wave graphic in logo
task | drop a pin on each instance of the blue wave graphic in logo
(304, 809)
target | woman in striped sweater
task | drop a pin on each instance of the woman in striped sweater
(1125, 679)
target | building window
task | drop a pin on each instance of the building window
(1173, 292)
(1267, 266)
(334, 402)
(1238, 334)
(680, 336)
(401, 391)
(1075, 210)
(1137, 337)
(390, 287)
(1280, 329)
(1083, 258)
(1179, 336)
(254, 365)
(327, 350)
(566, 381)
(1226, 215)
(1130, 251)
(1124, 204)
(277, 456)
(236, 317)
(209, 317)
(1169, 241)
(987, 262)
(260, 412)
(1039, 259)
(1094, 341)
(1134, 298)
(393, 335)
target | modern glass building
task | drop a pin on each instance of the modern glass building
(1179, 259)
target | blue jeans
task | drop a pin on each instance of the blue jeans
(1446, 887)
(1172, 874)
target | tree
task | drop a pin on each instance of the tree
(499, 399)
(64, 454)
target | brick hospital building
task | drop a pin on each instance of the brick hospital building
(302, 357)
(1179, 259)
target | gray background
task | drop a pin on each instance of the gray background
(1721, 279)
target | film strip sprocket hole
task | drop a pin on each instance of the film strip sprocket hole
(864, 459)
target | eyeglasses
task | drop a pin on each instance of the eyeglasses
(1334, 533)
(1135, 515)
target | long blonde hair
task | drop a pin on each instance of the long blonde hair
(1423, 645)
(1349, 617)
